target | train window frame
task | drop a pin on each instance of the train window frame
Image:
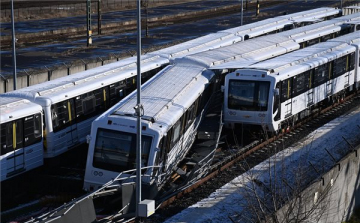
(340, 66)
(30, 136)
(114, 90)
(300, 83)
(351, 66)
(6, 137)
(288, 83)
(324, 69)
(98, 100)
(66, 122)
(176, 133)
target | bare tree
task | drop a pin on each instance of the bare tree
(274, 190)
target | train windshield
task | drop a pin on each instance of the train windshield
(248, 95)
(116, 150)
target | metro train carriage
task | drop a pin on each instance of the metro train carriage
(174, 102)
(276, 93)
(71, 103)
(21, 136)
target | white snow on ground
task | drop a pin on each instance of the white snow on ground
(227, 200)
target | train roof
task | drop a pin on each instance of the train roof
(167, 95)
(308, 32)
(271, 24)
(278, 64)
(210, 41)
(317, 13)
(252, 50)
(14, 108)
(315, 61)
(352, 38)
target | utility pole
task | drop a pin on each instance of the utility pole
(13, 42)
(99, 17)
(257, 7)
(242, 12)
(138, 109)
(88, 22)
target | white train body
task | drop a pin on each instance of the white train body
(173, 102)
(21, 136)
(275, 93)
(168, 98)
(71, 103)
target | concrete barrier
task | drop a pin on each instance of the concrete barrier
(38, 78)
(335, 195)
(76, 68)
(94, 64)
(62, 72)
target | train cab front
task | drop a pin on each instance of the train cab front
(112, 155)
(248, 99)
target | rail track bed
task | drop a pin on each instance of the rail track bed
(235, 160)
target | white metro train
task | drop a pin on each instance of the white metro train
(174, 103)
(71, 103)
(21, 136)
(274, 94)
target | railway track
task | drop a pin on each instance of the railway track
(236, 160)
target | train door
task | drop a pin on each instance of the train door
(310, 92)
(64, 125)
(286, 101)
(329, 83)
(72, 132)
(12, 145)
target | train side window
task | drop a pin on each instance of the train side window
(91, 103)
(6, 137)
(351, 60)
(321, 74)
(131, 83)
(301, 83)
(286, 86)
(88, 105)
(176, 133)
(32, 129)
(190, 115)
(313, 42)
(340, 66)
(327, 37)
(62, 114)
(11, 136)
(117, 92)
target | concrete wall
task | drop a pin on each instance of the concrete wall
(334, 197)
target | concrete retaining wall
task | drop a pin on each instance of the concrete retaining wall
(334, 197)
